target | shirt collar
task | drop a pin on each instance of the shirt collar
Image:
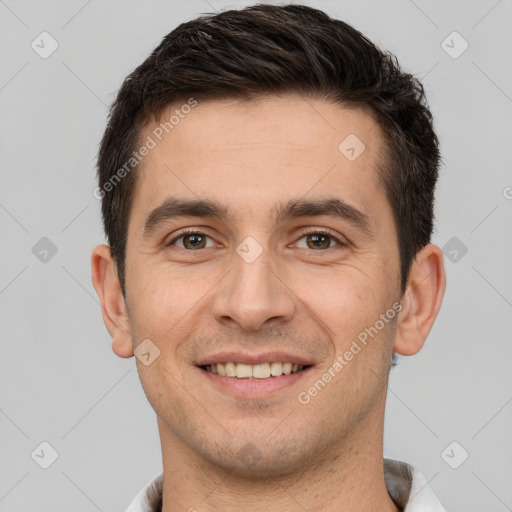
(407, 486)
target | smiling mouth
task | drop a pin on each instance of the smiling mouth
(256, 371)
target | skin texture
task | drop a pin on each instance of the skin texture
(222, 451)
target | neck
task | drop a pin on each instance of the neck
(348, 477)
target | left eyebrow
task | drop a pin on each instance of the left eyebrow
(331, 207)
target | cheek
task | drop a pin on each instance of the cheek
(342, 297)
(346, 303)
(166, 301)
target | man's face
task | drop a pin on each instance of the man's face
(265, 279)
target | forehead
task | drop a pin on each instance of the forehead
(254, 154)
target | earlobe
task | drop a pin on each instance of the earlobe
(113, 306)
(421, 301)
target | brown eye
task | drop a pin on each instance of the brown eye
(318, 241)
(192, 241)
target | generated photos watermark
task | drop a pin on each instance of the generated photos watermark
(356, 347)
(150, 143)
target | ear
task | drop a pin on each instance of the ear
(421, 301)
(113, 306)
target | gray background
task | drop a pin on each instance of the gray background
(59, 380)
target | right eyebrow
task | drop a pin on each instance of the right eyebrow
(173, 207)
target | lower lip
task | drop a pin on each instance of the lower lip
(253, 388)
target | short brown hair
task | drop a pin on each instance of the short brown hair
(266, 50)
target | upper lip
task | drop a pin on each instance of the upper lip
(253, 359)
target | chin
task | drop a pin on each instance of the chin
(260, 458)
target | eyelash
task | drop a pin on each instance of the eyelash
(302, 235)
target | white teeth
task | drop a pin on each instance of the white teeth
(257, 371)
(230, 370)
(243, 371)
(261, 371)
(276, 369)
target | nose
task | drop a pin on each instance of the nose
(253, 294)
